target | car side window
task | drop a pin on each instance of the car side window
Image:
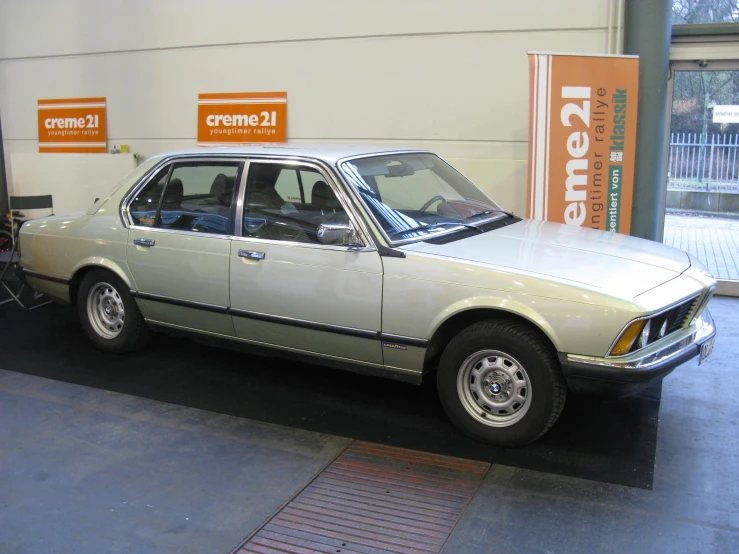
(198, 197)
(288, 203)
(288, 186)
(144, 206)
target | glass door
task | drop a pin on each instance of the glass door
(703, 168)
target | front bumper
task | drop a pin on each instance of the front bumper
(627, 375)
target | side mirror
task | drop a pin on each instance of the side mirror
(339, 234)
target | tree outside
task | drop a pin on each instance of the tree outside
(704, 11)
(694, 95)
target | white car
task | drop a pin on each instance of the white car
(385, 262)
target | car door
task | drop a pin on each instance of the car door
(287, 289)
(179, 244)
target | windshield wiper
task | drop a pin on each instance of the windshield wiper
(487, 212)
(434, 226)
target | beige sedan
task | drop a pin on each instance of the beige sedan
(382, 262)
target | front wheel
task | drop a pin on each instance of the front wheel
(500, 383)
(110, 317)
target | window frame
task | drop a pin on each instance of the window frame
(149, 179)
(170, 164)
(331, 181)
(333, 178)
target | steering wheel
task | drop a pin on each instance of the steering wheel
(430, 201)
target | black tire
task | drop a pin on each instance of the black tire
(118, 331)
(487, 358)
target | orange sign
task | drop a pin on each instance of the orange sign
(239, 117)
(72, 125)
(582, 139)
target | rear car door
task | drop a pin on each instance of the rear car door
(287, 289)
(179, 244)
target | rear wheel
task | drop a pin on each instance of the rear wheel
(500, 383)
(6, 242)
(110, 317)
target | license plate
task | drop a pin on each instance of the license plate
(706, 350)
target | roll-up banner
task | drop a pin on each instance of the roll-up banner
(237, 117)
(72, 125)
(582, 139)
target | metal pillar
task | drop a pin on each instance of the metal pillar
(647, 30)
(3, 176)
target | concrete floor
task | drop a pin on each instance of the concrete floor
(87, 470)
(713, 240)
(694, 506)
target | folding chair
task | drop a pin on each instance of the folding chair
(11, 258)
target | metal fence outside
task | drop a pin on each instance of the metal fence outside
(703, 162)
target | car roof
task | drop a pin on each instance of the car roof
(330, 153)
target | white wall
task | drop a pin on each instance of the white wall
(448, 76)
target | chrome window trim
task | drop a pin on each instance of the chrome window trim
(258, 240)
(381, 230)
(692, 298)
(328, 174)
(181, 232)
(124, 210)
(240, 194)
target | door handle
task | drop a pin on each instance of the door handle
(251, 255)
(143, 242)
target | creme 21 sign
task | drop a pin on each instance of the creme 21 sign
(582, 139)
(72, 125)
(241, 117)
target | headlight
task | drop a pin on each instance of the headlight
(645, 331)
(627, 338)
(663, 329)
(644, 336)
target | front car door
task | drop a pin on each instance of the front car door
(179, 243)
(287, 289)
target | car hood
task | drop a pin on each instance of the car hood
(617, 264)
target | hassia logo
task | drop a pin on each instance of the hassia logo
(241, 117)
(72, 125)
(582, 139)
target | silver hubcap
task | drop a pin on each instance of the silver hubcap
(494, 388)
(105, 310)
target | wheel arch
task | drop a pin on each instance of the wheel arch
(86, 266)
(455, 321)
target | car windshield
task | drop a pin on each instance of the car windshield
(414, 195)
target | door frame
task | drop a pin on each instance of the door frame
(701, 48)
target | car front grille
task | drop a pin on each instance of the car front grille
(679, 316)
